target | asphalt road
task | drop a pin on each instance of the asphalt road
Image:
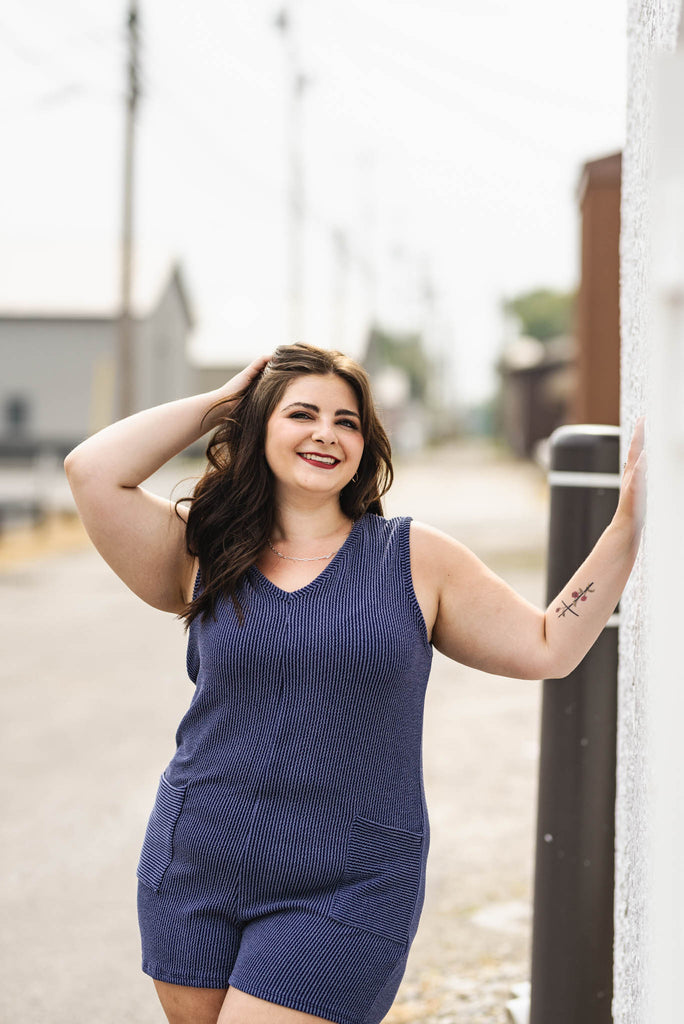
(93, 686)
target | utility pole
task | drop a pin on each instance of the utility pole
(367, 207)
(340, 280)
(298, 83)
(126, 337)
(431, 342)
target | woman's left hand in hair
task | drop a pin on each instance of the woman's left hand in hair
(245, 377)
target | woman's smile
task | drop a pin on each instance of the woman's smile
(319, 460)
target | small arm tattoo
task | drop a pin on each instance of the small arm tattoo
(578, 595)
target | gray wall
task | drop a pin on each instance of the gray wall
(55, 366)
(65, 368)
(164, 372)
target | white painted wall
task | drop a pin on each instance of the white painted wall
(649, 893)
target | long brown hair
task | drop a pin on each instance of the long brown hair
(232, 511)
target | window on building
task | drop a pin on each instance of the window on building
(17, 411)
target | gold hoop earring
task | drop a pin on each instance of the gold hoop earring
(354, 479)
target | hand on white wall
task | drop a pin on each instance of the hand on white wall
(631, 510)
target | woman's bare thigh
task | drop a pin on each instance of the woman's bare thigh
(183, 1004)
(241, 1008)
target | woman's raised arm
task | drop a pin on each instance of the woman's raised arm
(482, 622)
(137, 533)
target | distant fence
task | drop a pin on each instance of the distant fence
(32, 486)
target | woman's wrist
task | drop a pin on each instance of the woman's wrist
(218, 407)
(626, 532)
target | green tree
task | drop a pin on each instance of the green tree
(543, 313)
(405, 351)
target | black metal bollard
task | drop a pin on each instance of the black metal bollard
(572, 935)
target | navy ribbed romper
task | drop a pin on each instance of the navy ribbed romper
(285, 853)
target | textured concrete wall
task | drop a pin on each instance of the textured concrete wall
(652, 31)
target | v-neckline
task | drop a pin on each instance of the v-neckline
(263, 580)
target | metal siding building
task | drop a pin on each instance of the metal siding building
(58, 382)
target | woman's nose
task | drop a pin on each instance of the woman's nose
(324, 432)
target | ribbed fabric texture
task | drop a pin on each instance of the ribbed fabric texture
(286, 849)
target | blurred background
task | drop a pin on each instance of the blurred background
(434, 188)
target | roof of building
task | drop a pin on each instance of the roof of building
(601, 173)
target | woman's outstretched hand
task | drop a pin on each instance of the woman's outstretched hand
(631, 509)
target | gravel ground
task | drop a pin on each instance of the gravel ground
(93, 686)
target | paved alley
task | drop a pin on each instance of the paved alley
(93, 687)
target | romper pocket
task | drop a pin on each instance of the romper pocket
(157, 848)
(381, 879)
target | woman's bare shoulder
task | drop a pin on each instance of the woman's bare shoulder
(429, 544)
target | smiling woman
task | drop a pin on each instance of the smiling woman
(282, 873)
(302, 435)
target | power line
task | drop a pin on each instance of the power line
(487, 121)
(45, 61)
(486, 76)
(66, 87)
(433, 84)
(231, 160)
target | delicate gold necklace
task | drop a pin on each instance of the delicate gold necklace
(291, 558)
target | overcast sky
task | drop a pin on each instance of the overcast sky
(443, 138)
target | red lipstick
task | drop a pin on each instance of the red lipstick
(319, 460)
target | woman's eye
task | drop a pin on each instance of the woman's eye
(301, 414)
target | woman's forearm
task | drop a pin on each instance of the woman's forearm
(131, 450)
(577, 616)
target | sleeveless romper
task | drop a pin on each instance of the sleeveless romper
(286, 849)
